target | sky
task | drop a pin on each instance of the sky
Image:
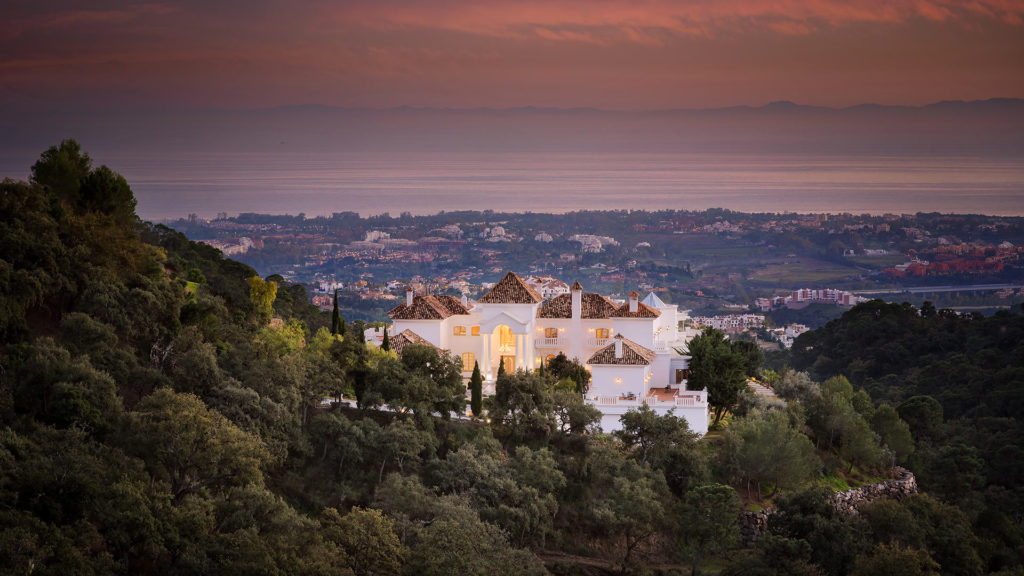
(69, 56)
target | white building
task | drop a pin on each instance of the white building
(547, 286)
(629, 348)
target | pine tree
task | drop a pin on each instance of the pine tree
(476, 383)
(335, 316)
(386, 344)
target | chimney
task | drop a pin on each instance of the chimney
(577, 299)
(632, 302)
(408, 296)
(465, 301)
(618, 347)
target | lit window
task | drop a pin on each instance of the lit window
(551, 332)
(476, 331)
(602, 332)
(468, 359)
(549, 358)
(459, 331)
(506, 339)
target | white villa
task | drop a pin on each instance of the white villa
(628, 348)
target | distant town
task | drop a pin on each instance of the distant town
(774, 273)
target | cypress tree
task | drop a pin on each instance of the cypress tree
(335, 316)
(342, 329)
(476, 383)
(386, 344)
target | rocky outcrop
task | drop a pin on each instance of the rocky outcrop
(754, 524)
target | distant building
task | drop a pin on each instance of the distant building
(805, 296)
(547, 286)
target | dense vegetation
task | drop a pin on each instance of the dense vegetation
(162, 411)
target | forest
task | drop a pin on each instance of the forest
(165, 410)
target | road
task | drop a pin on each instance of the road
(929, 289)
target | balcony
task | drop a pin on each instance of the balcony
(551, 342)
(614, 400)
(598, 342)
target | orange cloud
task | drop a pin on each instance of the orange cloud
(602, 21)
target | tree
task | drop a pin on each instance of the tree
(62, 168)
(107, 192)
(368, 539)
(894, 432)
(335, 316)
(561, 367)
(924, 416)
(476, 382)
(262, 295)
(769, 450)
(709, 522)
(752, 356)
(193, 447)
(385, 344)
(522, 407)
(893, 560)
(714, 365)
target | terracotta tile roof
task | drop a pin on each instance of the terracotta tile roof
(511, 290)
(632, 354)
(452, 304)
(594, 306)
(405, 338)
(577, 286)
(642, 311)
(428, 307)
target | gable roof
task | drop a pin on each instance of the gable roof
(632, 354)
(642, 311)
(577, 286)
(511, 290)
(428, 307)
(405, 338)
(594, 306)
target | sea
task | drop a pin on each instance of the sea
(171, 185)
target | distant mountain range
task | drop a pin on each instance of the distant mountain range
(993, 127)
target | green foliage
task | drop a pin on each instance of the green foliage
(561, 367)
(476, 383)
(262, 295)
(716, 366)
(768, 451)
(192, 447)
(708, 523)
(887, 560)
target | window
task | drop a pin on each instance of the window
(510, 364)
(476, 331)
(551, 332)
(459, 331)
(549, 358)
(602, 332)
(506, 339)
(468, 359)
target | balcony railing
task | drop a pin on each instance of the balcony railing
(598, 342)
(614, 400)
(551, 342)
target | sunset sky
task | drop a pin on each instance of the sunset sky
(644, 54)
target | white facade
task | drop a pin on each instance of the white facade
(513, 324)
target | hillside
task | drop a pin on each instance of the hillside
(164, 410)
